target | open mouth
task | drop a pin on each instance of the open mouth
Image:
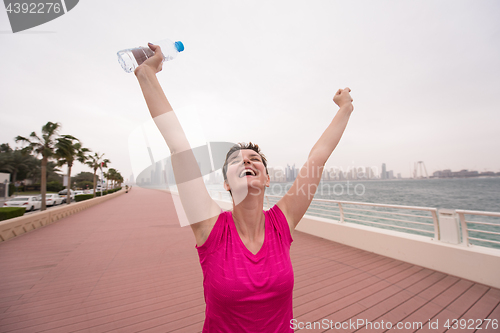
(247, 172)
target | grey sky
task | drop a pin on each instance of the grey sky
(425, 77)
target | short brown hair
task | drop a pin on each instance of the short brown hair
(238, 147)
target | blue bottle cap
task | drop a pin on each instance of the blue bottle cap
(179, 46)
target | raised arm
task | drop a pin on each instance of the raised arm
(296, 201)
(201, 210)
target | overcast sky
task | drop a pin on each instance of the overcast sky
(425, 78)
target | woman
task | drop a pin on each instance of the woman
(244, 253)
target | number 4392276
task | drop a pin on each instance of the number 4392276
(471, 324)
(33, 8)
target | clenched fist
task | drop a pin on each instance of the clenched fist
(343, 99)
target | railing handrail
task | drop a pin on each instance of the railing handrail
(465, 228)
(477, 212)
(429, 209)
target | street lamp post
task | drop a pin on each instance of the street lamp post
(6, 190)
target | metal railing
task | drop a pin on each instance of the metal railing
(392, 217)
(410, 219)
(415, 220)
(484, 233)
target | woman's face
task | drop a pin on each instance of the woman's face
(246, 172)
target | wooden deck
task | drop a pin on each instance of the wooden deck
(127, 266)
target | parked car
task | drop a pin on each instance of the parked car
(64, 195)
(52, 199)
(78, 192)
(30, 202)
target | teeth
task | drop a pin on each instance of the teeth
(244, 172)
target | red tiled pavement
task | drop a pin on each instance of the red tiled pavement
(127, 266)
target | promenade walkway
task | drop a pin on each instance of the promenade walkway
(127, 266)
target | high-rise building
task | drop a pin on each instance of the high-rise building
(369, 174)
(270, 171)
(361, 173)
(353, 174)
(383, 175)
(276, 175)
(328, 174)
(291, 173)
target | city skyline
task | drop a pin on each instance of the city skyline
(288, 174)
(161, 173)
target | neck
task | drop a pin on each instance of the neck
(248, 216)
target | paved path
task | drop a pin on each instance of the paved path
(127, 266)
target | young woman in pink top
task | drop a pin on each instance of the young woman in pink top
(244, 253)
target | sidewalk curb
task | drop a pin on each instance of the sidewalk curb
(23, 224)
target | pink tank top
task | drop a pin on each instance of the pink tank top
(246, 292)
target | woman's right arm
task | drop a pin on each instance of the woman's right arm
(201, 210)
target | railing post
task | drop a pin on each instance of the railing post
(465, 231)
(448, 226)
(437, 234)
(341, 210)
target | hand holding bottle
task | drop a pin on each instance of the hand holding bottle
(130, 59)
(154, 62)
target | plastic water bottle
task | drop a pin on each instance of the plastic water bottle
(130, 59)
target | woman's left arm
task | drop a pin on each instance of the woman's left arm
(296, 201)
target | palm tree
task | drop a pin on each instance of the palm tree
(67, 152)
(95, 162)
(119, 179)
(45, 146)
(112, 175)
(106, 175)
(116, 177)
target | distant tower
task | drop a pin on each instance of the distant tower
(384, 172)
(419, 165)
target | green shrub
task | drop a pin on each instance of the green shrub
(11, 212)
(114, 190)
(82, 197)
(54, 186)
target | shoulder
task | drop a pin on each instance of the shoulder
(204, 230)
(283, 209)
(279, 221)
(276, 213)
